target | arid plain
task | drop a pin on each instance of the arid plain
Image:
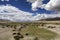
(38, 30)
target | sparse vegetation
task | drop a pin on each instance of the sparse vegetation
(32, 29)
(39, 32)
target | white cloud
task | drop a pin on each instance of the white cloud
(31, 1)
(45, 16)
(7, 0)
(35, 4)
(51, 5)
(12, 13)
(4, 0)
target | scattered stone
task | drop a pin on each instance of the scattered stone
(18, 34)
(13, 30)
(3, 27)
(14, 33)
(19, 29)
(14, 27)
(7, 25)
(51, 27)
(36, 38)
(26, 34)
(17, 37)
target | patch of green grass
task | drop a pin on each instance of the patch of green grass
(39, 32)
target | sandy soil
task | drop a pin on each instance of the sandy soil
(5, 34)
(56, 30)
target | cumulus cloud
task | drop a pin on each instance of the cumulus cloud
(46, 16)
(31, 1)
(9, 12)
(4, 0)
(12, 13)
(51, 5)
(35, 4)
(7, 0)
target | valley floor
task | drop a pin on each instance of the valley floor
(31, 31)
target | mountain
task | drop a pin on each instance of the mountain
(51, 19)
(5, 21)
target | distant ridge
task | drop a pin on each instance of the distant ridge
(51, 19)
(4, 21)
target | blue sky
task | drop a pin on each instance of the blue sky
(25, 6)
(25, 10)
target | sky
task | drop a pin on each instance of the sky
(24, 5)
(29, 10)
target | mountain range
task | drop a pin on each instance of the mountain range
(51, 19)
